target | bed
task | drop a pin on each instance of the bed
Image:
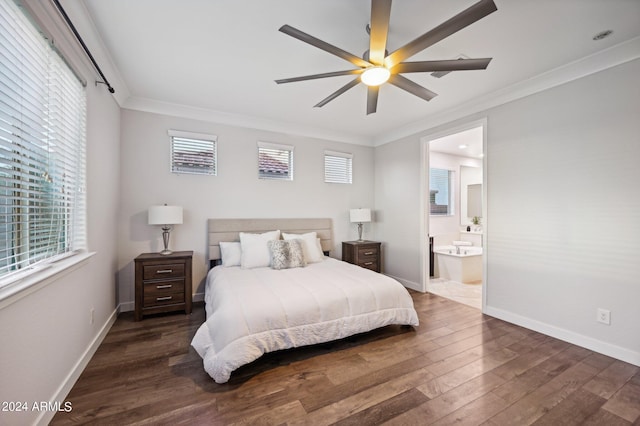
(253, 309)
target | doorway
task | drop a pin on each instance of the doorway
(454, 213)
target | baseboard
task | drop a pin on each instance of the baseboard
(587, 342)
(198, 297)
(47, 415)
(409, 284)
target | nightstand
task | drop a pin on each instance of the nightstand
(163, 283)
(362, 253)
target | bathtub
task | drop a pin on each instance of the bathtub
(465, 267)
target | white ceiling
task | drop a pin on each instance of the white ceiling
(218, 59)
(467, 143)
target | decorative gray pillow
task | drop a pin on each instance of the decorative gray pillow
(286, 254)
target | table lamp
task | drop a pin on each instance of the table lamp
(165, 216)
(360, 216)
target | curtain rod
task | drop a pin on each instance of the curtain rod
(84, 46)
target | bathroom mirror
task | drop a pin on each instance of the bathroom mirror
(474, 200)
(470, 194)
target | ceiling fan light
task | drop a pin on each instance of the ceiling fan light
(375, 76)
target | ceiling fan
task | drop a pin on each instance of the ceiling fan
(378, 67)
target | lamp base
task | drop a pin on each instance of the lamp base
(360, 232)
(165, 239)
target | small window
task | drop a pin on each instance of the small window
(338, 167)
(275, 161)
(193, 153)
(440, 192)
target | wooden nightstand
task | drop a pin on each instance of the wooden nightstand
(362, 253)
(163, 283)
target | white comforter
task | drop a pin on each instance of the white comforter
(254, 311)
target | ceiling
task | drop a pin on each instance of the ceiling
(467, 143)
(218, 59)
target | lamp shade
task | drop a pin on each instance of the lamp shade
(165, 215)
(360, 215)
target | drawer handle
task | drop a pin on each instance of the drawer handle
(160, 299)
(368, 263)
(164, 271)
(164, 286)
(369, 253)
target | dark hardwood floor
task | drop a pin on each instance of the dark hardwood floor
(458, 366)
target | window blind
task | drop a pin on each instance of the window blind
(338, 167)
(42, 148)
(193, 153)
(275, 161)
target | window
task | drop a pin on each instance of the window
(193, 153)
(440, 192)
(337, 167)
(275, 161)
(42, 149)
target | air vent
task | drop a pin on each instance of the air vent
(440, 74)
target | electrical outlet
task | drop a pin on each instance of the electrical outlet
(91, 315)
(604, 316)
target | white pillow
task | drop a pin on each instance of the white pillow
(231, 253)
(310, 246)
(255, 252)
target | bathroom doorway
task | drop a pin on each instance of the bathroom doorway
(455, 213)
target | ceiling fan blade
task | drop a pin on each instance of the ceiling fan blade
(302, 36)
(380, 13)
(451, 26)
(446, 65)
(372, 99)
(337, 93)
(323, 75)
(411, 87)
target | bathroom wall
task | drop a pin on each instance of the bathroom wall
(445, 229)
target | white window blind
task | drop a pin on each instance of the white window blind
(275, 161)
(440, 193)
(193, 153)
(42, 148)
(338, 167)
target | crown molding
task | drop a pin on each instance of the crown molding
(607, 58)
(258, 123)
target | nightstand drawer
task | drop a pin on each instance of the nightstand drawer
(163, 288)
(163, 299)
(170, 270)
(370, 264)
(368, 253)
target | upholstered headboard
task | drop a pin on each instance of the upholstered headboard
(229, 230)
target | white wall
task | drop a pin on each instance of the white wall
(563, 215)
(235, 192)
(564, 210)
(46, 336)
(397, 204)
